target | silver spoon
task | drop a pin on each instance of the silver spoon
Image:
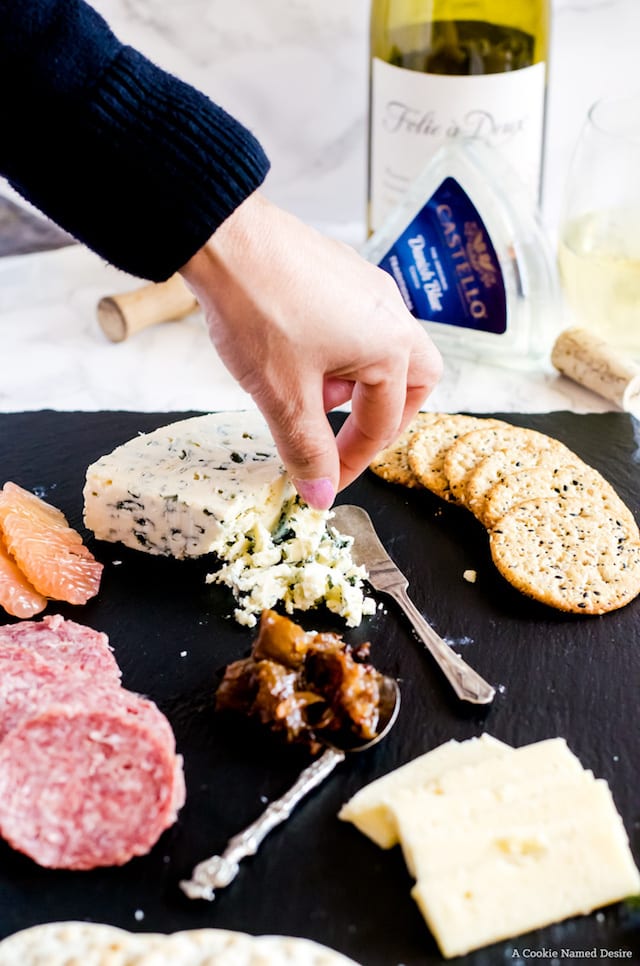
(386, 577)
(218, 871)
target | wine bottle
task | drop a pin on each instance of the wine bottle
(448, 69)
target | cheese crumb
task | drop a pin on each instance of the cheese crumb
(300, 562)
(470, 576)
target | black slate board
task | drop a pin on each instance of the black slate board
(318, 877)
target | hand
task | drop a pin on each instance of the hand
(305, 324)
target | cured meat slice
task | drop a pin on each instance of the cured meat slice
(89, 774)
(68, 645)
(78, 689)
(86, 784)
(36, 654)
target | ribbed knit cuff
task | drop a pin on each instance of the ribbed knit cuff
(133, 162)
(173, 164)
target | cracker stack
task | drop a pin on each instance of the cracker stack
(558, 531)
(99, 944)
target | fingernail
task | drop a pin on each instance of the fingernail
(319, 494)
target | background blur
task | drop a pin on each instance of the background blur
(296, 73)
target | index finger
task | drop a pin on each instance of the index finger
(376, 413)
(380, 411)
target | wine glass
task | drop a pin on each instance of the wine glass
(599, 243)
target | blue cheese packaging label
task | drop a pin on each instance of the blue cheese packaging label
(446, 266)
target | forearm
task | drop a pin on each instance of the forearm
(136, 164)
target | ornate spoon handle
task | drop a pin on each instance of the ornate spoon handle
(218, 871)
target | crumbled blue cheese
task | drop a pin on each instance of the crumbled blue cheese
(301, 563)
(215, 484)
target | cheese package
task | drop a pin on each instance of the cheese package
(215, 484)
(371, 808)
(514, 840)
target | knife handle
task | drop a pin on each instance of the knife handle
(121, 316)
(467, 683)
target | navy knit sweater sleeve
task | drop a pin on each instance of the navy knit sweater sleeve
(136, 164)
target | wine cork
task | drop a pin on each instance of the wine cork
(592, 362)
(121, 316)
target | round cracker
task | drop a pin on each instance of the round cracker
(577, 480)
(96, 944)
(568, 554)
(428, 448)
(501, 464)
(199, 947)
(391, 464)
(72, 944)
(289, 951)
(468, 451)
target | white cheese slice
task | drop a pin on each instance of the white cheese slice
(370, 809)
(536, 875)
(439, 836)
(475, 788)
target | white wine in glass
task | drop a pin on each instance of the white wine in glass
(599, 245)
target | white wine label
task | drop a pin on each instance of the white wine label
(413, 114)
(446, 267)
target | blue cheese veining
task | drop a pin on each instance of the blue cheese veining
(300, 562)
(215, 484)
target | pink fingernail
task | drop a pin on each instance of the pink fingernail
(319, 494)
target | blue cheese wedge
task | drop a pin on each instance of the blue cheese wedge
(176, 490)
(215, 484)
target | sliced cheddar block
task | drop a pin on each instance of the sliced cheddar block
(370, 808)
(442, 839)
(460, 792)
(536, 874)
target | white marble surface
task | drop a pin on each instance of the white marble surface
(295, 71)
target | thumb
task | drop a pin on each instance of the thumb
(308, 449)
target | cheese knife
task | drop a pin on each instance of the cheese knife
(385, 577)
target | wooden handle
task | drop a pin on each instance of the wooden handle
(121, 316)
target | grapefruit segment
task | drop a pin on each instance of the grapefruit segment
(17, 596)
(49, 552)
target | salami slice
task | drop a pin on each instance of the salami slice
(89, 784)
(22, 684)
(79, 689)
(62, 642)
(36, 654)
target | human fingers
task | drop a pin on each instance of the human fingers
(305, 441)
(382, 409)
(336, 392)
